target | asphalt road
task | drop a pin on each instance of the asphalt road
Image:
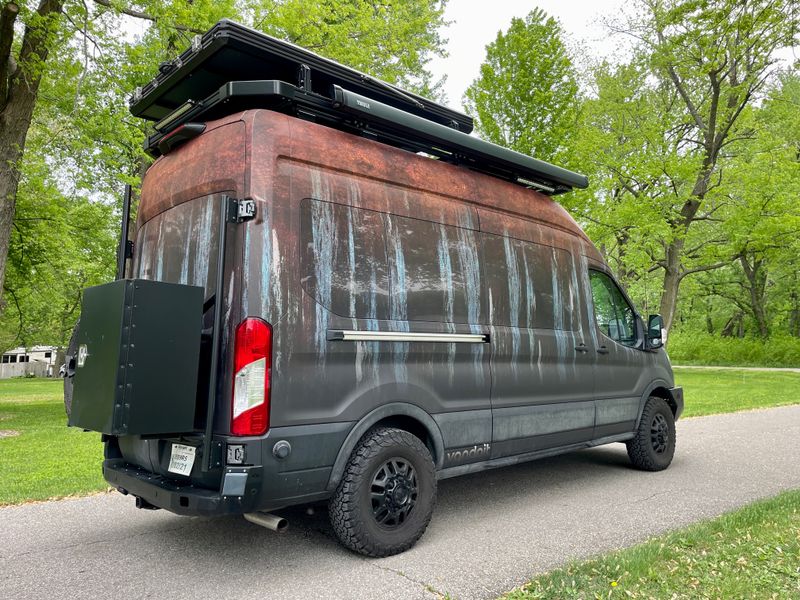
(490, 532)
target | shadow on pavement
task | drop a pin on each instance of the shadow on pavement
(458, 498)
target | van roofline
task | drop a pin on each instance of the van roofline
(244, 162)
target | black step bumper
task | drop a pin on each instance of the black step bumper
(183, 498)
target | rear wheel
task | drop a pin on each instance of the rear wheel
(653, 446)
(385, 499)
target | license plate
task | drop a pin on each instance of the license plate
(181, 459)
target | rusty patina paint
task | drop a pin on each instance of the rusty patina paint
(243, 154)
(279, 161)
(213, 163)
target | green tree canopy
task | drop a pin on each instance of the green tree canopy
(526, 96)
(68, 142)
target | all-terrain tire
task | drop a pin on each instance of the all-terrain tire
(354, 510)
(653, 446)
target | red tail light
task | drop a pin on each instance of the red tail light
(252, 366)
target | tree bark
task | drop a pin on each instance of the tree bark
(672, 281)
(16, 112)
(757, 287)
(8, 15)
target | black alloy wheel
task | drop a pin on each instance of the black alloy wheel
(393, 492)
(659, 434)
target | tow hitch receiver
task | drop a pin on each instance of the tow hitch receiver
(145, 505)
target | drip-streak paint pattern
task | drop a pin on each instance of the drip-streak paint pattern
(587, 299)
(513, 298)
(446, 276)
(470, 267)
(558, 317)
(323, 230)
(530, 305)
(398, 306)
(176, 246)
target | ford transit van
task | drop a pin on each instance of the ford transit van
(337, 295)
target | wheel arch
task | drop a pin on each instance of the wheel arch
(401, 415)
(660, 389)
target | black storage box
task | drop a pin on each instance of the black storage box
(137, 360)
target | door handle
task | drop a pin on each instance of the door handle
(581, 348)
(602, 350)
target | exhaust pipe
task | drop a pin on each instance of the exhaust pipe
(270, 521)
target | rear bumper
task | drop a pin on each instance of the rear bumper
(239, 490)
(677, 397)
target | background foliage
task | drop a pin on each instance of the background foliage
(691, 142)
(83, 145)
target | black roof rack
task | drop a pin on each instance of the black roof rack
(224, 72)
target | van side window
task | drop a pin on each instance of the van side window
(613, 314)
(435, 274)
(530, 285)
(344, 263)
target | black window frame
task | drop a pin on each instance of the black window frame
(638, 333)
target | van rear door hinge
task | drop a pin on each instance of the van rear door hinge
(241, 210)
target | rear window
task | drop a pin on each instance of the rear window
(180, 244)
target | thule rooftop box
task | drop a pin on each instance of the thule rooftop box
(232, 68)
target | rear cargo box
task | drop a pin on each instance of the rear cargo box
(137, 360)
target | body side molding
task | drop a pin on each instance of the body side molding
(507, 461)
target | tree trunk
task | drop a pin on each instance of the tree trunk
(672, 281)
(733, 328)
(673, 271)
(794, 315)
(709, 319)
(16, 112)
(757, 287)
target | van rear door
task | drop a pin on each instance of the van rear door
(180, 245)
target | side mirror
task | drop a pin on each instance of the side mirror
(655, 327)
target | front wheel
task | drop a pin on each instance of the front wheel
(653, 446)
(385, 499)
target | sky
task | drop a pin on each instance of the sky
(474, 27)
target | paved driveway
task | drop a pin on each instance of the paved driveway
(489, 533)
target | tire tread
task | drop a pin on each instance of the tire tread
(343, 508)
(639, 449)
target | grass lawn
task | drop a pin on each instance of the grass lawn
(709, 391)
(47, 459)
(753, 552)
